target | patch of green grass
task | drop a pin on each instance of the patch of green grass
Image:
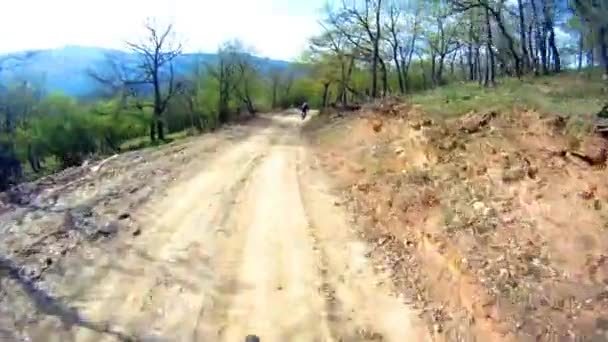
(50, 166)
(144, 142)
(568, 94)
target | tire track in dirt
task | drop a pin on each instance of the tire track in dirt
(341, 324)
(361, 303)
(155, 286)
(276, 297)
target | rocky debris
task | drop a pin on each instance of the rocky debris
(108, 229)
(593, 150)
(377, 125)
(418, 124)
(124, 216)
(363, 186)
(557, 123)
(513, 174)
(473, 122)
(601, 127)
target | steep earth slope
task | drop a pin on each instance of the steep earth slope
(494, 223)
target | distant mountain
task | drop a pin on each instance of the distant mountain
(66, 69)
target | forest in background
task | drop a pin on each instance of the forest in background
(367, 49)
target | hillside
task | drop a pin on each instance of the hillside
(487, 206)
(65, 69)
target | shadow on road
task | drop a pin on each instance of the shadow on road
(49, 305)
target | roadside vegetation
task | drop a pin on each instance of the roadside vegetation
(367, 49)
(476, 171)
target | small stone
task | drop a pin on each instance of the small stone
(377, 125)
(479, 206)
(508, 219)
(513, 174)
(108, 228)
(124, 216)
(401, 298)
(595, 149)
(597, 204)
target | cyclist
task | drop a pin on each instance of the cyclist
(305, 109)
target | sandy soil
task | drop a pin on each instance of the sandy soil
(246, 239)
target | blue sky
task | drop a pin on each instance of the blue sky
(277, 29)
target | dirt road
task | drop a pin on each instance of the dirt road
(253, 242)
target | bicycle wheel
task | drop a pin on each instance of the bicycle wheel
(252, 338)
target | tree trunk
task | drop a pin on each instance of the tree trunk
(463, 67)
(376, 52)
(160, 128)
(153, 129)
(452, 62)
(384, 77)
(603, 48)
(478, 64)
(510, 42)
(540, 37)
(342, 96)
(522, 33)
(551, 30)
(398, 67)
(486, 79)
(533, 54)
(407, 61)
(33, 159)
(440, 69)
(470, 51)
(424, 79)
(433, 70)
(580, 52)
(490, 69)
(470, 63)
(325, 93)
(158, 110)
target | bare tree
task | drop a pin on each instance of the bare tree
(522, 34)
(275, 82)
(367, 19)
(394, 41)
(157, 53)
(116, 77)
(223, 72)
(335, 42)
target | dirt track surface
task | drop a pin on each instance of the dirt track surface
(246, 239)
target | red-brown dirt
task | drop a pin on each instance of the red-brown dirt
(493, 223)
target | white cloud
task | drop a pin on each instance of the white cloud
(278, 29)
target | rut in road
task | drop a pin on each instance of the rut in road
(252, 244)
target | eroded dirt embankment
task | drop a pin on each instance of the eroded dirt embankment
(494, 223)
